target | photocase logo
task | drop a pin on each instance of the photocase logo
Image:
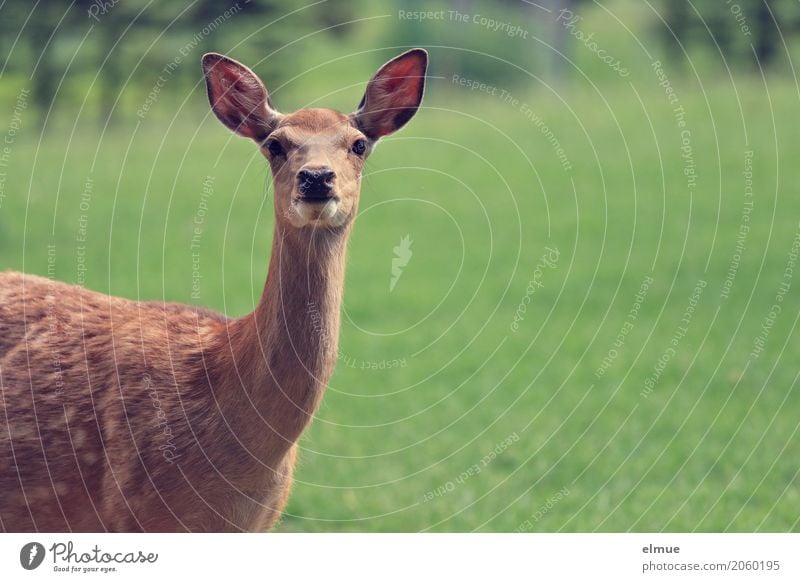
(402, 255)
(31, 555)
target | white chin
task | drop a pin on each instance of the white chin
(316, 213)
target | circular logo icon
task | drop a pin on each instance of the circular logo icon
(31, 555)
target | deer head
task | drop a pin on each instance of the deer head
(316, 155)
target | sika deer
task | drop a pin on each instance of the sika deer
(127, 416)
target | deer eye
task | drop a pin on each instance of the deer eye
(359, 147)
(275, 148)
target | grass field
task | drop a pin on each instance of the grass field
(452, 409)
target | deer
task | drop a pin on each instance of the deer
(148, 416)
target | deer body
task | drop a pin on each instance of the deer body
(120, 415)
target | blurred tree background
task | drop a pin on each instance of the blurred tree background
(105, 57)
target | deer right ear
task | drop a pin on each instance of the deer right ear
(238, 97)
(393, 95)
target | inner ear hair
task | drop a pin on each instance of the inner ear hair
(393, 95)
(238, 97)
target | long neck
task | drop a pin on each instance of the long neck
(285, 351)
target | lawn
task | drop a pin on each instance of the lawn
(581, 339)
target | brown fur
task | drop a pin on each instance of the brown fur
(123, 416)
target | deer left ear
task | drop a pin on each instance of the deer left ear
(238, 97)
(393, 95)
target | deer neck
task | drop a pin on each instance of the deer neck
(285, 351)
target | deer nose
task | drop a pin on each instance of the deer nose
(315, 182)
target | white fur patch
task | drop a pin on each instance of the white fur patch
(307, 213)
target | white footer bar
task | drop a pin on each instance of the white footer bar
(388, 557)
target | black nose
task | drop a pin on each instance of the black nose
(316, 182)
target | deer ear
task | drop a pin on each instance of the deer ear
(238, 97)
(393, 95)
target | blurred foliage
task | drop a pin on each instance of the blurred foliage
(741, 30)
(104, 57)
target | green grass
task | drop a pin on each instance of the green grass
(481, 192)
